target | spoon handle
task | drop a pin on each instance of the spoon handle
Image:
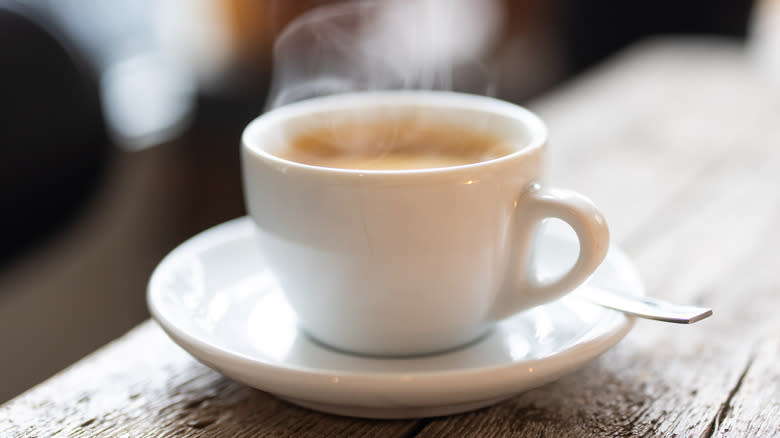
(644, 307)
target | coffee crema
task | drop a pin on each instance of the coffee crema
(393, 145)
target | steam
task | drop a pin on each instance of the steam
(385, 44)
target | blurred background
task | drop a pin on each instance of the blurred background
(120, 123)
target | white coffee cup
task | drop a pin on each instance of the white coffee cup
(404, 262)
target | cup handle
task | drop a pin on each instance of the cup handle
(522, 289)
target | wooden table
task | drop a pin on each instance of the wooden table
(679, 143)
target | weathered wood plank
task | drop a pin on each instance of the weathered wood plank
(654, 120)
(699, 217)
(624, 394)
(143, 385)
(754, 408)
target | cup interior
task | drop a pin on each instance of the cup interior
(516, 126)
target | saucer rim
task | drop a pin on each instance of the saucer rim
(239, 226)
(277, 376)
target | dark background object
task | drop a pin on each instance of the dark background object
(593, 30)
(53, 144)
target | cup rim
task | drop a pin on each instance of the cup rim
(446, 99)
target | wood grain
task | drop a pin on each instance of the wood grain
(143, 385)
(679, 143)
(754, 408)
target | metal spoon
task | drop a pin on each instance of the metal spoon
(644, 307)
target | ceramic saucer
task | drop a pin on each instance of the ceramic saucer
(215, 298)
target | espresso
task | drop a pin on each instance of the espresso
(393, 145)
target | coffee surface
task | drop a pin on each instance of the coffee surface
(393, 145)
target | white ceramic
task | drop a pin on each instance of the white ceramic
(215, 296)
(415, 261)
